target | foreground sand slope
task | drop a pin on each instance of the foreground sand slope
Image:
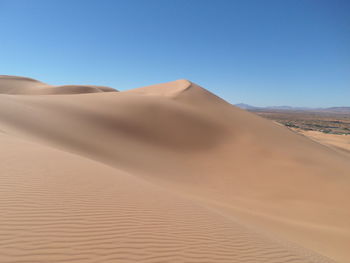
(58, 207)
(195, 152)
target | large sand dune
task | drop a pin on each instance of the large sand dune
(165, 173)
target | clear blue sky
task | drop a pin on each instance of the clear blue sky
(282, 52)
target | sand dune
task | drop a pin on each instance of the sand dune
(335, 141)
(28, 86)
(165, 173)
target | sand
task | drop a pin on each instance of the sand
(336, 141)
(165, 173)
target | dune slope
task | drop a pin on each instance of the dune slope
(168, 172)
(28, 86)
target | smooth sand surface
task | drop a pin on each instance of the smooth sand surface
(336, 141)
(28, 86)
(165, 173)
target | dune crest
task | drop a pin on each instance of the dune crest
(177, 89)
(27, 86)
(168, 172)
(168, 89)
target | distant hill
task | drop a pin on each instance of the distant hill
(246, 106)
(287, 108)
(290, 108)
(339, 109)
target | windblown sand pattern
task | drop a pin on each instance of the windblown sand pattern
(167, 173)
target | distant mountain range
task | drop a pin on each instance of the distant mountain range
(290, 108)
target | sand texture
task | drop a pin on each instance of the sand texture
(165, 173)
(336, 141)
